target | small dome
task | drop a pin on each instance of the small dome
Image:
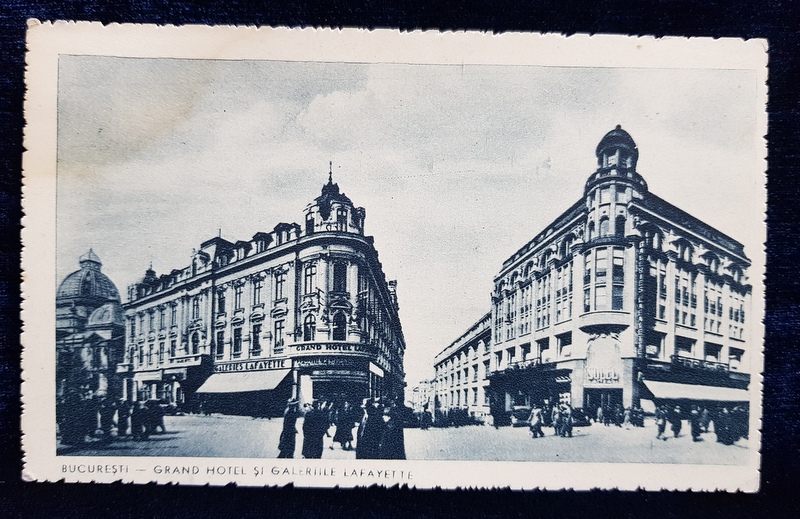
(88, 282)
(616, 138)
(110, 314)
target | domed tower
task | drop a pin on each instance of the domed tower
(614, 184)
(333, 211)
(81, 293)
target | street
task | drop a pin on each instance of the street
(245, 437)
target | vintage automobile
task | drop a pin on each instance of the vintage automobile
(520, 415)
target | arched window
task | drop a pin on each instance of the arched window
(591, 230)
(619, 226)
(604, 227)
(339, 327)
(309, 327)
(195, 343)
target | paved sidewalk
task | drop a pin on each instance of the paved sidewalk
(244, 437)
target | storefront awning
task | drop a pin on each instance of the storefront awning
(675, 391)
(243, 382)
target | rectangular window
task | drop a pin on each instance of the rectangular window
(256, 340)
(150, 348)
(600, 297)
(310, 279)
(339, 277)
(220, 343)
(236, 348)
(587, 268)
(141, 323)
(221, 302)
(279, 324)
(173, 317)
(173, 347)
(133, 328)
(160, 352)
(587, 299)
(237, 297)
(618, 267)
(162, 318)
(617, 297)
(196, 307)
(141, 355)
(258, 285)
(565, 344)
(151, 325)
(280, 281)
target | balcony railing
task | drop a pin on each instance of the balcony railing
(699, 364)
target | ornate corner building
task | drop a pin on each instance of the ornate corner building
(299, 312)
(89, 338)
(623, 299)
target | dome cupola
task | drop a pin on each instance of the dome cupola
(332, 210)
(617, 149)
(88, 284)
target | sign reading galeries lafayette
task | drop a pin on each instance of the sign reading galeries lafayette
(249, 365)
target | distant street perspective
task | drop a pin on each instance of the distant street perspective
(246, 437)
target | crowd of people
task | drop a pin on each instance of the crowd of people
(83, 419)
(729, 425)
(379, 435)
(620, 416)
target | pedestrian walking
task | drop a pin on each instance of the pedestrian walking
(370, 431)
(343, 420)
(535, 420)
(139, 419)
(705, 419)
(556, 420)
(566, 421)
(626, 418)
(315, 426)
(694, 423)
(288, 439)
(675, 421)
(392, 446)
(123, 417)
(599, 415)
(661, 422)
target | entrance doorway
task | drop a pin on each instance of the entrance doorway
(601, 397)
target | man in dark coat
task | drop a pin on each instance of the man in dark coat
(123, 414)
(675, 421)
(393, 446)
(288, 439)
(139, 418)
(370, 432)
(343, 419)
(315, 425)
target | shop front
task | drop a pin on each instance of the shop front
(520, 387)
(251, 388)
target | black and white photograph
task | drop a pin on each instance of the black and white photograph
(352, 258)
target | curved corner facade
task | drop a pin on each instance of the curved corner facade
(298, 312)
(623, 299)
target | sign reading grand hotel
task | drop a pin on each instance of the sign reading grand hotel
(268, 234)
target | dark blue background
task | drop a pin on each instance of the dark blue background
(779, 21)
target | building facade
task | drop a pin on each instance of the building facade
(623, 299)
(89, 346)
(462, 372)
(298, 312)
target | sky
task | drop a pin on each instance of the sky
(457, 166)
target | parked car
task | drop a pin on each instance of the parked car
(520, 415)
(580, 418)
